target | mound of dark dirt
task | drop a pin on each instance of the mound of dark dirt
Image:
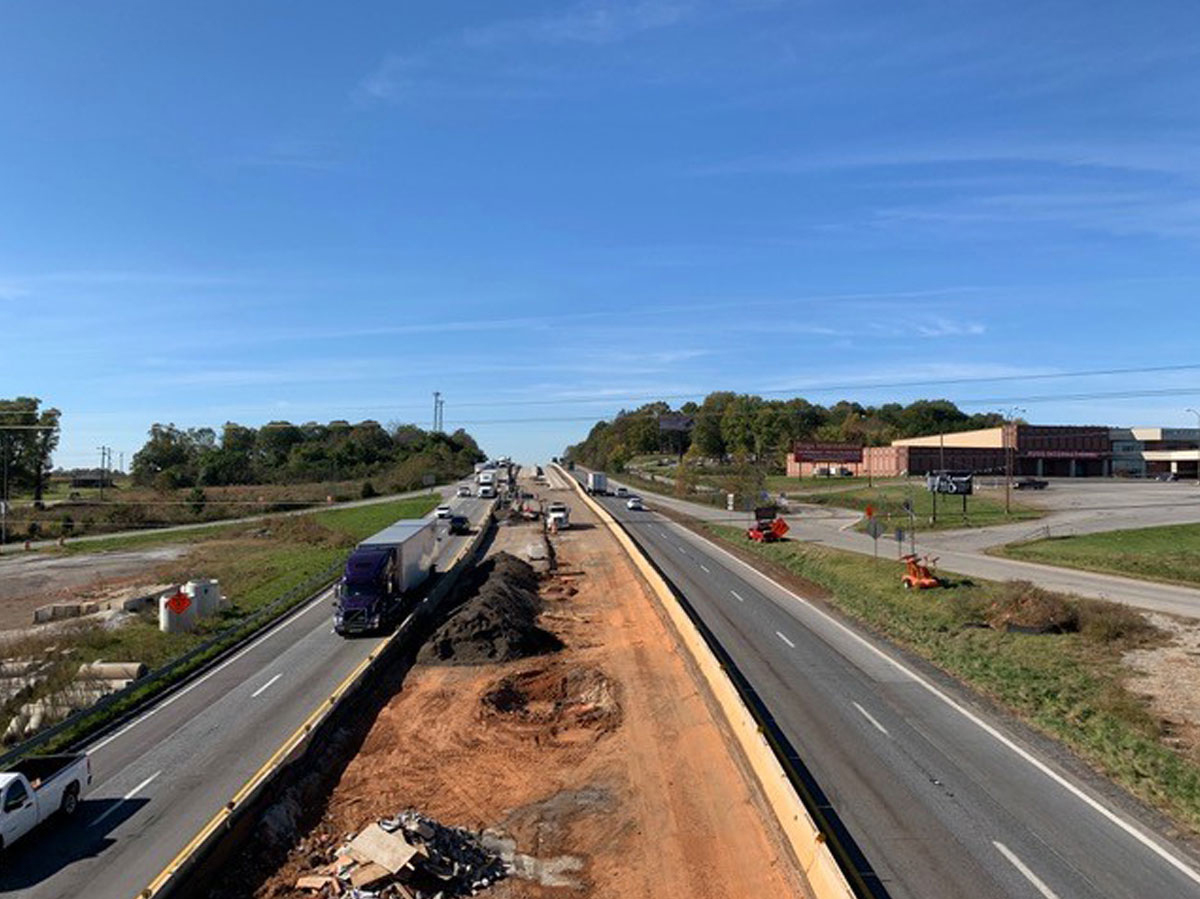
(497, 622)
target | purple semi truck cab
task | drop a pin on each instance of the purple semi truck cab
(376, 588)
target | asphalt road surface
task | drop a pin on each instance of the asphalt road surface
(961, 552)
(160, 778)
(943, 799)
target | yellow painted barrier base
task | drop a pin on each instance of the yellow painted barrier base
(824, 875)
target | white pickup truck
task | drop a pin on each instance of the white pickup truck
(36, 788)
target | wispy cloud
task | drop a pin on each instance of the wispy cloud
(290, 153)
(1176, 158)
(585, 23)
(446, 67)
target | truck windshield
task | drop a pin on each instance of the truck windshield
(358, 591)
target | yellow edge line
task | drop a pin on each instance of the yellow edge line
(289, 744)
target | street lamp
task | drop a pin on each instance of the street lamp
(1197, 414)
(1009, 415)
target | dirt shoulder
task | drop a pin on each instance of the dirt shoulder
(602, 762)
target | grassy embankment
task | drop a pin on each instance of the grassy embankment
(74, 512)
(1069, 685)
(256, 563)
(1170, 553)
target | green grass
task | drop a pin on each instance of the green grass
(256, 564)
(1170, 553)
(1070, 685)
(888, 501)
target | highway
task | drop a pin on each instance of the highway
(161, 777)
(961, 553)
(944, 799)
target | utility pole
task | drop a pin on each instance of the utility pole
(4, 499)
(1197, 414)
(438, 415)
(105, 461)
(1010, 416)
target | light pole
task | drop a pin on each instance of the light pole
(1197, 414)
(1010, 415)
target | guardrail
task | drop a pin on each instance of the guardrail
(175, 879)
(134, 698)
(830, 861)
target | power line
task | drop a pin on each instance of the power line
(800, 388)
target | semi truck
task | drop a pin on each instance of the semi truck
(597, 483)
(487, 476)
(36, 788)
(381, 576)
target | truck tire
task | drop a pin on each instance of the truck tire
(70, 801)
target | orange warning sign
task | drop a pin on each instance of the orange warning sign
(179, 603)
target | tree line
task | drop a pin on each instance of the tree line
(729, 425)
(282, 452)
(28, 437)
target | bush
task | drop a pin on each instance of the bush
(368, 490)
(1111, 622)
(1026, 607)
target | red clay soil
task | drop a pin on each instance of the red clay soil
(603, 762)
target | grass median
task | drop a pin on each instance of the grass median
(256, 564)
(1070, 683)
(1170, 553)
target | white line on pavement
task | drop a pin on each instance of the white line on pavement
(705, 569)
(1025, 872)
(293, 617)
(116, 805)
(1133, 831)
(736, 596)
(263, 688)
(785, 639)
(883, 730)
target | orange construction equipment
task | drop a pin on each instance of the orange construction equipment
(767, 526)
(918, 573)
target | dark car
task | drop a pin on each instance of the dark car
(460, 524)
(1031, 484)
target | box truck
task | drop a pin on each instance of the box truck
(381, 576)
(597, 483)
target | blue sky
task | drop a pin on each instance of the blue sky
(249, 211)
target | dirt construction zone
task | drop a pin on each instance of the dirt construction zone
(568, 743)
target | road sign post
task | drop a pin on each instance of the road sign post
(875, 529)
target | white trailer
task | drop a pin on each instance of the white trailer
(414, 540)
(597, 483)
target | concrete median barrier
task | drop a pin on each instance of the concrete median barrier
(808, 841)
(188, 874)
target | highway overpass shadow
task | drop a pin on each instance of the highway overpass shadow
(58, 844)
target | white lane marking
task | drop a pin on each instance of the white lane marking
(736, 596)
(704, 569)
(682, 550)
(1109, 815)
(1037, 882)
(116, 805)
(785, 639)
(883, 730)
(295, 616)
(263, 688)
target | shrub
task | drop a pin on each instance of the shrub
(368, 490)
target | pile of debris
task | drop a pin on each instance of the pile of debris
(498, 623)
(409, 856)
